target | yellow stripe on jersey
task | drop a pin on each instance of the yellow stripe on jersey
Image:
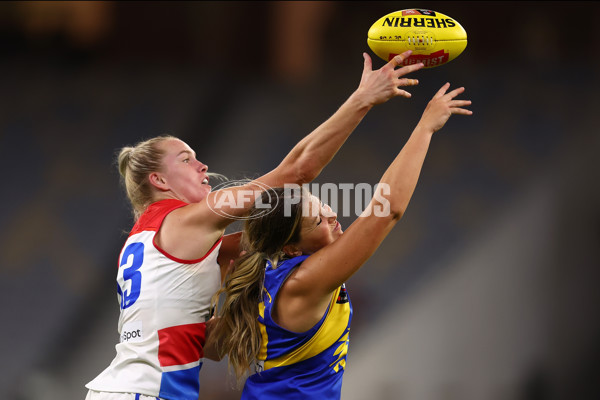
(262, 352)
(333, 327)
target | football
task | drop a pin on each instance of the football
(434, 38)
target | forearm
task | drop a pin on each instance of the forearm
(402, 175)
(362, 238)
(311, 154)
(228, 252)
(308, 158)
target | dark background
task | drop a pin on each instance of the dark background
(242, 82)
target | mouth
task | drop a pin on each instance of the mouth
(337, 226)
(205, 181)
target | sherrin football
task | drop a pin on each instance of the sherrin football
(434, 38)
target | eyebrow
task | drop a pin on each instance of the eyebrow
(191, 153)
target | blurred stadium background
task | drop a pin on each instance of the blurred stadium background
(487, 289)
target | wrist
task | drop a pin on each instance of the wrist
(423, 130)
(360, 101)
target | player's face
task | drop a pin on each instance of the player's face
(185, 176)
(319, 226)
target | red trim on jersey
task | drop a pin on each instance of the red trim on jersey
(181, 344)
(152, 219)
(179, 260)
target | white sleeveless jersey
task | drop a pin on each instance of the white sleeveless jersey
(164, 304)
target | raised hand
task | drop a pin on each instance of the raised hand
(442, 106)
(380, 85)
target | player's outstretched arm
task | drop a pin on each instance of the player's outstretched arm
(208, 219)
(402, 175)
(309, 287)
(306, 160)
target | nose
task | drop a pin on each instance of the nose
(202, 167)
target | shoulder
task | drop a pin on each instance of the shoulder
(155, 214)
(283, 268)
(287, 263)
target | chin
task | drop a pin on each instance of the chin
(201, 197)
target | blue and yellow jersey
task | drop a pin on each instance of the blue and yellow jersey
(300, 365)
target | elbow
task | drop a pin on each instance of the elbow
(305, 177)
(382, 206)
(397, 209)
(396, 215)
(304, 171)
(308, 170)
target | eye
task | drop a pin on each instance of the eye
(186, 160)
(320, 220)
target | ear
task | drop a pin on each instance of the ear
(158, 181)
(291, 250)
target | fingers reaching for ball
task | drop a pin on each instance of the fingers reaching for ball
(382, 84)
(399, 59)
(407, 82)
(455, 106)
(442, 106)
(368, 66)
(407, 69)
(443, 90)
